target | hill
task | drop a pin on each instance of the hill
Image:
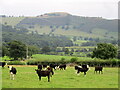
(62, 23)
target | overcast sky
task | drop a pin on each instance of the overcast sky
(92, 8)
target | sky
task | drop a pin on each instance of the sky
(91, 8)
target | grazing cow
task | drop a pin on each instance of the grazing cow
(83, 68)
(2, 64)
(54, 66)
(40, 67)
(98, 68)
(13, 72)
(63, 66)
(45, 73)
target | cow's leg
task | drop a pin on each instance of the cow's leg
(84, 73)
(96, 72)
(39, 78)
(78, 72)
(48, 78)
(13, 76)
(99, 72)
(10, 76)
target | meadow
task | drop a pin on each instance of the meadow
(27, 78)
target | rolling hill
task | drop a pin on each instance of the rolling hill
(62, 23)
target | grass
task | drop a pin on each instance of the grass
(27, 78)
(42, 57)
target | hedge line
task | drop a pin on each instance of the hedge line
(109, 63)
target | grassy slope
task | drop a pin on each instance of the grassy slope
(71, 32)
(12, 20)
(27, 78)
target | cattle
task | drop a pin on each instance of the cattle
(2, 64)
(98, 68)
(63, 66)
(54, 66)
(40, 67)
(13, 72)
(83, 68)
(44, 73)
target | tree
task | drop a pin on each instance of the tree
(66, 50)
(5, 51)
(17, 50)
(45, 49)
(104, 51)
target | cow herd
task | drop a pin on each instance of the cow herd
(48, 70)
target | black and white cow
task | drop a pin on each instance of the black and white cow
(55, 66)
(2, 64)
(62, 66)
(98, 68)
(83, 68)
(13, 72)
(40, 67)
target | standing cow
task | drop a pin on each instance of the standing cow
(63, 66)
(13, 72)
(98, 68)
(54, 66)
(44, 73)
(83, 68)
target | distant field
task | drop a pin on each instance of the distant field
(27, 78)
(12, 20)
(52, 58)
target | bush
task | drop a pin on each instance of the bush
(16, 63)
(73, 60)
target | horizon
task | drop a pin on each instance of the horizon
(107, 9)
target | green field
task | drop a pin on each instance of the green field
(27, 78)
(53, 58)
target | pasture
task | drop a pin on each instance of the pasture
(27, 78)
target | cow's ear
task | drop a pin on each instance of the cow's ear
(35, 69)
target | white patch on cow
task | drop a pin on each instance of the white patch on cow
(78, 74)
(11, 72)
(87, 66)
(10, 67)
(80, 66)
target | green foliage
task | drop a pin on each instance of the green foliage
(17, 49)
(32, 50)
(104, 51)
(66, 50)
(5, 51)
(16, 63)
(45, 50)
(73, 60)
(23, 35)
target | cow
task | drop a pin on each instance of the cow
(40, 67)
(54, 66)
(98, 68)
(83, 68)
(63, 66)
(44, 73)
(13, 72)
(2, 64)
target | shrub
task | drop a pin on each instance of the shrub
(16, 63)
(73, 60)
